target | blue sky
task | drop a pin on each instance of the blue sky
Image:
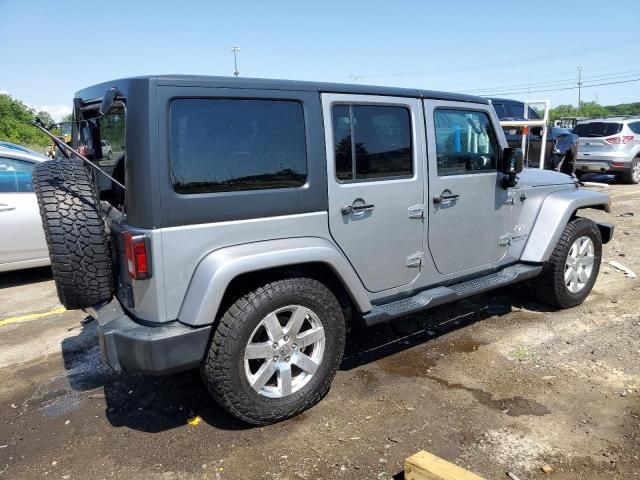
(50, 49)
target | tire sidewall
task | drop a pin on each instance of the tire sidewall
(583, 228)
(329, 313)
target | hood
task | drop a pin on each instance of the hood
(534, 177)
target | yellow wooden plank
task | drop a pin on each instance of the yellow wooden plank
(426, 466)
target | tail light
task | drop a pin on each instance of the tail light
(137, 255)
(620, 140)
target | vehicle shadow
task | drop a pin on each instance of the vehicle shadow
(145, 403)
(17, 278)
(155, 404)
(366, 345)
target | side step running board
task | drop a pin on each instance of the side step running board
(441, 295)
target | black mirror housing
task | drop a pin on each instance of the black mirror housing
(512, 161)
(107, 100)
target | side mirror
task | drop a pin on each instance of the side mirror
(107, 100)
(512, 164)
(512, 161)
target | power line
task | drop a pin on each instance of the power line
(536, 59)
(568, 88)
(559, 82)
(554, 75)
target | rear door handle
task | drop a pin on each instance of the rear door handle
(6, 208)
(357, 209)
(445, 198)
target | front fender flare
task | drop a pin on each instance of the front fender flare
(216, 270)
(556, 211)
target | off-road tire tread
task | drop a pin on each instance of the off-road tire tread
(216, 365)
(549, 285)
(75, 233)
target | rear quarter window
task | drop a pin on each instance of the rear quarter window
(223, 145)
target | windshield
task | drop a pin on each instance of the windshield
(597, 129)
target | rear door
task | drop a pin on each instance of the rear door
(469, 212)
(375, 155)
(22, 235)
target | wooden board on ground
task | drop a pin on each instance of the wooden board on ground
(426, 466)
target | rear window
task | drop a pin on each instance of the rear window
(222, 145)
(597, 129)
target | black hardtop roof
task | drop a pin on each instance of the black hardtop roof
(503, 100)
(96, 91)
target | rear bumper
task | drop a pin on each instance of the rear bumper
(150, 350)
(601, 166)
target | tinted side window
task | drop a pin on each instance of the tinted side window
(465, 142)
(222, 145)
(15, 176)
(372, 142)
(635, 127)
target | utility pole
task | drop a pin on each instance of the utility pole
(579, 87)
(356, 78)
(235, 51)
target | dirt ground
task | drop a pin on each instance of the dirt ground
(494, 383)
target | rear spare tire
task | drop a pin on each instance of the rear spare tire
(75, 232)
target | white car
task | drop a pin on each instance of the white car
(22, 242)
(107, 151)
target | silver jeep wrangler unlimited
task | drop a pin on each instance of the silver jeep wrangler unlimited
(243, 222)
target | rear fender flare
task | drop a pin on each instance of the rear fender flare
(217, 269)
(556, 211)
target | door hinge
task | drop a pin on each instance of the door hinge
(507, 198)
(415, 260)
(416, 211)
(505, 239)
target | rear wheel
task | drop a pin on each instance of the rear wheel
(568, 276)
(275, 351)
(633, 174)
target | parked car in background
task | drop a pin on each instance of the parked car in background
(22, 242)
(610, 145)
(562, 144)
(107, 151)
(20, 148)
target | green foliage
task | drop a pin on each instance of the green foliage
(15, 123)
(592, 110)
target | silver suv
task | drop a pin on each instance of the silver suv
(610, 145)
(261, 217)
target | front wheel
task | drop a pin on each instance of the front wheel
(275, 350)
(568, 276)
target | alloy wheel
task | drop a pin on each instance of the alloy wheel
(284, 351)
(579, 264)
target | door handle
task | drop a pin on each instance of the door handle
(445, 198)
(356, 209)
(6, 208)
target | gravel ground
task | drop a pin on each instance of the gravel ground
(494, 383)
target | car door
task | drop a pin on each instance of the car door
(469, 212)
(22, 235)
(375, 155)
